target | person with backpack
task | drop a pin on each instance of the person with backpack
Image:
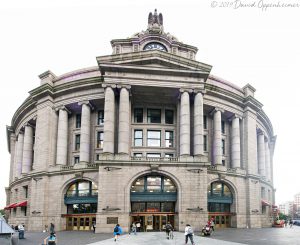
(50, 240)
(189, 233)
(169, 228)
(117, 231)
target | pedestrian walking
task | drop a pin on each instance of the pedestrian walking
(138, 226)
(212, 224)
(52, 228)
(291, 223)
(169, 228)
(94, 226)
(133, 228)
(117, 232)
(189, 233)
(21, 231)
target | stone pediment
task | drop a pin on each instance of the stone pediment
(153, 61)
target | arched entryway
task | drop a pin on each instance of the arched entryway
(81, 199)
(220, 199)
(153, 202)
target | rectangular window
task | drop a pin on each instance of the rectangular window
(223, 127)
(204, 142)
(76, 159)
(24, 210)
(169, 155)
(100, 139)
(263, 192)
(138, 115)
(223, 162)
(205, 122)
(169, 139)
(223, 147)
(100, 118)
(25, 188)
(153, 138)
(138, 207)
(78, 120)
(153, 155)
(77, 142)
(153, 184)
(169, 116)
(138, 137)
(154, 116)
(138, 154)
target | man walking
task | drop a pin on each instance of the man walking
(189, 233)
(117, 231)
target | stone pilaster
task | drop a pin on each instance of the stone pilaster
(19, 156)
(62, 137)
(109, 121)
(268, 161)
(123, 143)
(250, 141)
(217, 137)
(45, 135)
(261, 155)
(27, 149)
(198, 124)
(12, 156)
(235, 143)
(85, 132)
(185, 124)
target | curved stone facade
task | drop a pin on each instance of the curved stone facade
(141, 113)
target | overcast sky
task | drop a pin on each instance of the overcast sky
(243, 44)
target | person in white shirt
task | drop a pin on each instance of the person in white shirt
(189, 233)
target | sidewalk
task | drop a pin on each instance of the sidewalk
(159, 238)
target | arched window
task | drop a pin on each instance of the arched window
(82, 188)
(82, 197)
(153, 184)
(219, 197)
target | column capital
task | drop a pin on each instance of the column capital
(109, 85)
(234, 117)
(199, 90)
(64, 108)
(182, 90)
(27, 124)
(260, 131)
(86, 102)
(216, 109)
(126, 86)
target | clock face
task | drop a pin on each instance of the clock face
(155, 46)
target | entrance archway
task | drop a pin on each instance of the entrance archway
(81, 199)
(153, 202)
(220, 199)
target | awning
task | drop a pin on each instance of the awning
(22, 204)
(11, 206)
(265, 203)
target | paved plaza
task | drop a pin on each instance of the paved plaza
(264, 236)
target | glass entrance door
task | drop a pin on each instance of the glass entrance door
(221, 220)
(82, 223)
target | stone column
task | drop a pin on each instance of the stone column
(185, 124)
(235, 143)
(198, 124)
(109, 121)
(19, 156)
(27, 150)
(268, 161)
(123, 144)
(85, 131)
(62, 137)
(261, 155)
(217, 140)
(12, 156)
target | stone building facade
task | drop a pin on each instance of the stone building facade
(148, 135)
